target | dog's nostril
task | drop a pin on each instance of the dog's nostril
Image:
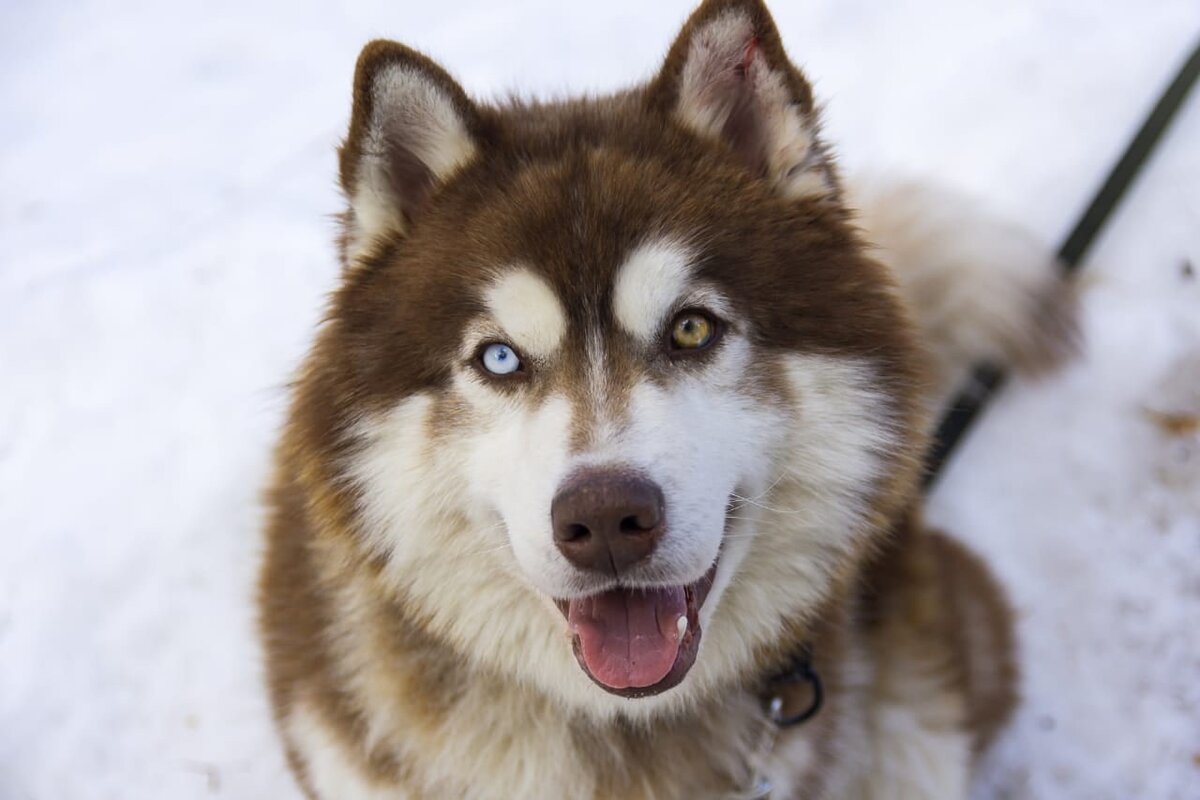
(632, 524)
(577, 532)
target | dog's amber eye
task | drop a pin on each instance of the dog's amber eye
(692, 330)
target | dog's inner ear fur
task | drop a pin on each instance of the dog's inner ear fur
(727, 77)
(411, 128)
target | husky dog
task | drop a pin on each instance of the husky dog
(605, 460)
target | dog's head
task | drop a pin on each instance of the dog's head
(607, 374)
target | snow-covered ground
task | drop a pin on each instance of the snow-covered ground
(166, 176)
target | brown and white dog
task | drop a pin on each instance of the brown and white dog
(614, 414)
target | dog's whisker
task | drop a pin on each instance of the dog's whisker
(761, 494)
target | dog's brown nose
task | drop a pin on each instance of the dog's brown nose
(605, 520)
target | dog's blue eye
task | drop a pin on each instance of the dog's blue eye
(499, 359)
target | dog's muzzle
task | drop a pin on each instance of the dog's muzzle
(631, 641)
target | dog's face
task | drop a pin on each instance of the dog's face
(608, 380)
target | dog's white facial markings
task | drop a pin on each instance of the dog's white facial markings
(846, 426)
(402, 483)
(528, 311)
(648, 286)
(515, 465)
(809, 513)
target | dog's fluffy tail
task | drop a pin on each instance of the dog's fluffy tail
(981, 290)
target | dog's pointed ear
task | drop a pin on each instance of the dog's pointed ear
(411, 128)
(727, 77)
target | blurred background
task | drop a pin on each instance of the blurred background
(166, 186)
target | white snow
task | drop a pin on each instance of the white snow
(166, 176)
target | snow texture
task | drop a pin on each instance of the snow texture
(166, 181)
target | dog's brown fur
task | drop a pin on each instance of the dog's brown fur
(912, 620)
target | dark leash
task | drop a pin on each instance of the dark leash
(987, 380)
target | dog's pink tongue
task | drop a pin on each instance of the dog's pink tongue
(629, 637)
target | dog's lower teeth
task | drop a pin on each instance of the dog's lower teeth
(681, 626)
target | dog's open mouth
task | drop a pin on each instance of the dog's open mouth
(637, 642)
